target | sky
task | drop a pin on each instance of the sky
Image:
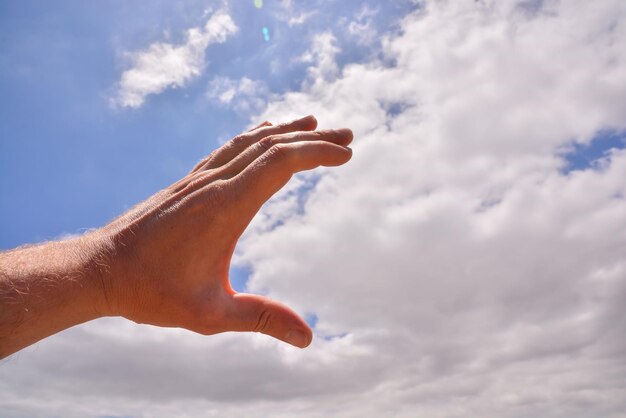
(470, 260)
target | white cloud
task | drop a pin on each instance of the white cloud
(301, 18)
(243, 95)
(451, 246)
(164, 65)
(286, 13)
(460, 272)
(321, 56)
(362, 27)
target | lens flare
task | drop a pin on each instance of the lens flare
(258, 3)
(266, 33)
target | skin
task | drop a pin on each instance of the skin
(166, 261)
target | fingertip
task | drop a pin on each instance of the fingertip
(344, 136)
(340, 156)
(248, 312)
(349, 134)
(349, 153)
(309, 122)
(299, 338)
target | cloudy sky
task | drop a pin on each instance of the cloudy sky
(469, 261)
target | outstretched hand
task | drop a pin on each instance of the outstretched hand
(166, 261)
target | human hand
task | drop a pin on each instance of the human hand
(166, 261)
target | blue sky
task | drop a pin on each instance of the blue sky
(473, 224)
(69, 159)
(581, 156)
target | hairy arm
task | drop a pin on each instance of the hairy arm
(47, 288)
(166, 261)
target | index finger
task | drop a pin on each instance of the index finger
(272, 170)
(238, 144)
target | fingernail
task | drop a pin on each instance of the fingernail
(345, 131)
(297, 338)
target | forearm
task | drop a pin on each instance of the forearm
(47, 288)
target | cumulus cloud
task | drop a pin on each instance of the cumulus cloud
(164, 65)
(321, 57)
(242, 95)
(482, 280)
(454, 269)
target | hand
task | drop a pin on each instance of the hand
(166, 261)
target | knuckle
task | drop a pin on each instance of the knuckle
(238, 141)
(205, 162)
(277, 152)
(210, 157)
(267, 142)
(299, 136)
(264, 321)
(212, 154)
(196, 181)
(211, 160)
(215, 195)
(200, 164)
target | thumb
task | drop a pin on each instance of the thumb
(260, 314)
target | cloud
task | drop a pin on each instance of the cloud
(321, 56)
(362, 27)
(243, 95)
(286, 13)
(300, 18)
(164, 65)
(454, 269)
(481, 279)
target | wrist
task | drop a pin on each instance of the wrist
(96, 252)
